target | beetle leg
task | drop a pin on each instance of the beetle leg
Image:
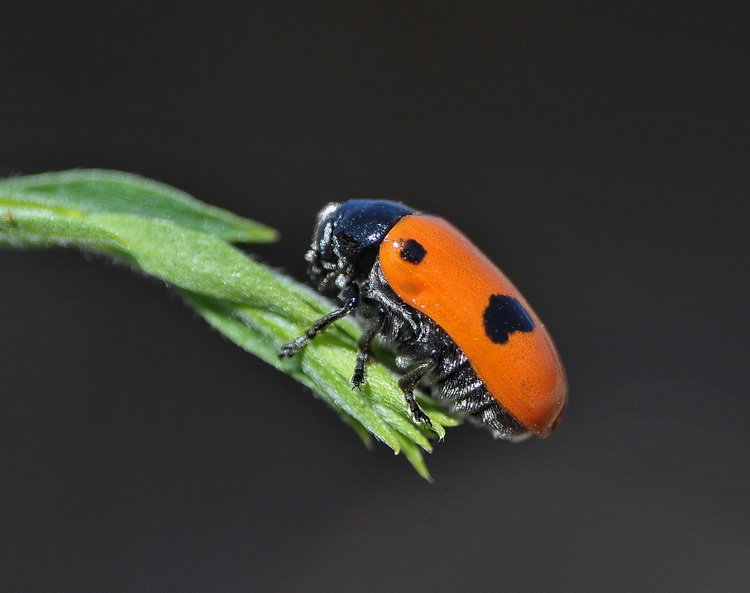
(350, 296)
(409, 382)
(363, 346)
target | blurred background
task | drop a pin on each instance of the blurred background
(597, 151)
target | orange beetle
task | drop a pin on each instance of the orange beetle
(454, 320)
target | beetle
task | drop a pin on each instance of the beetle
(455, 322)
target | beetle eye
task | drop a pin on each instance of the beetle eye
(346, 240)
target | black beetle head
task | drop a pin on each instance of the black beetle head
(346, 240)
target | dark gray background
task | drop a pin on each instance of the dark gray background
(597, 151)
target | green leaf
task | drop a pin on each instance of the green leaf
(99, 191)
(171, 236)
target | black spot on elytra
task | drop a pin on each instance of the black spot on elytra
(412, 251)
(503, 316)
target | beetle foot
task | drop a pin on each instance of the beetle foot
(358, 379)
(291, 348)
(417, 413)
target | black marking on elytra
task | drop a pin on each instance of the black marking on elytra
(413, 251)
(503, 316)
